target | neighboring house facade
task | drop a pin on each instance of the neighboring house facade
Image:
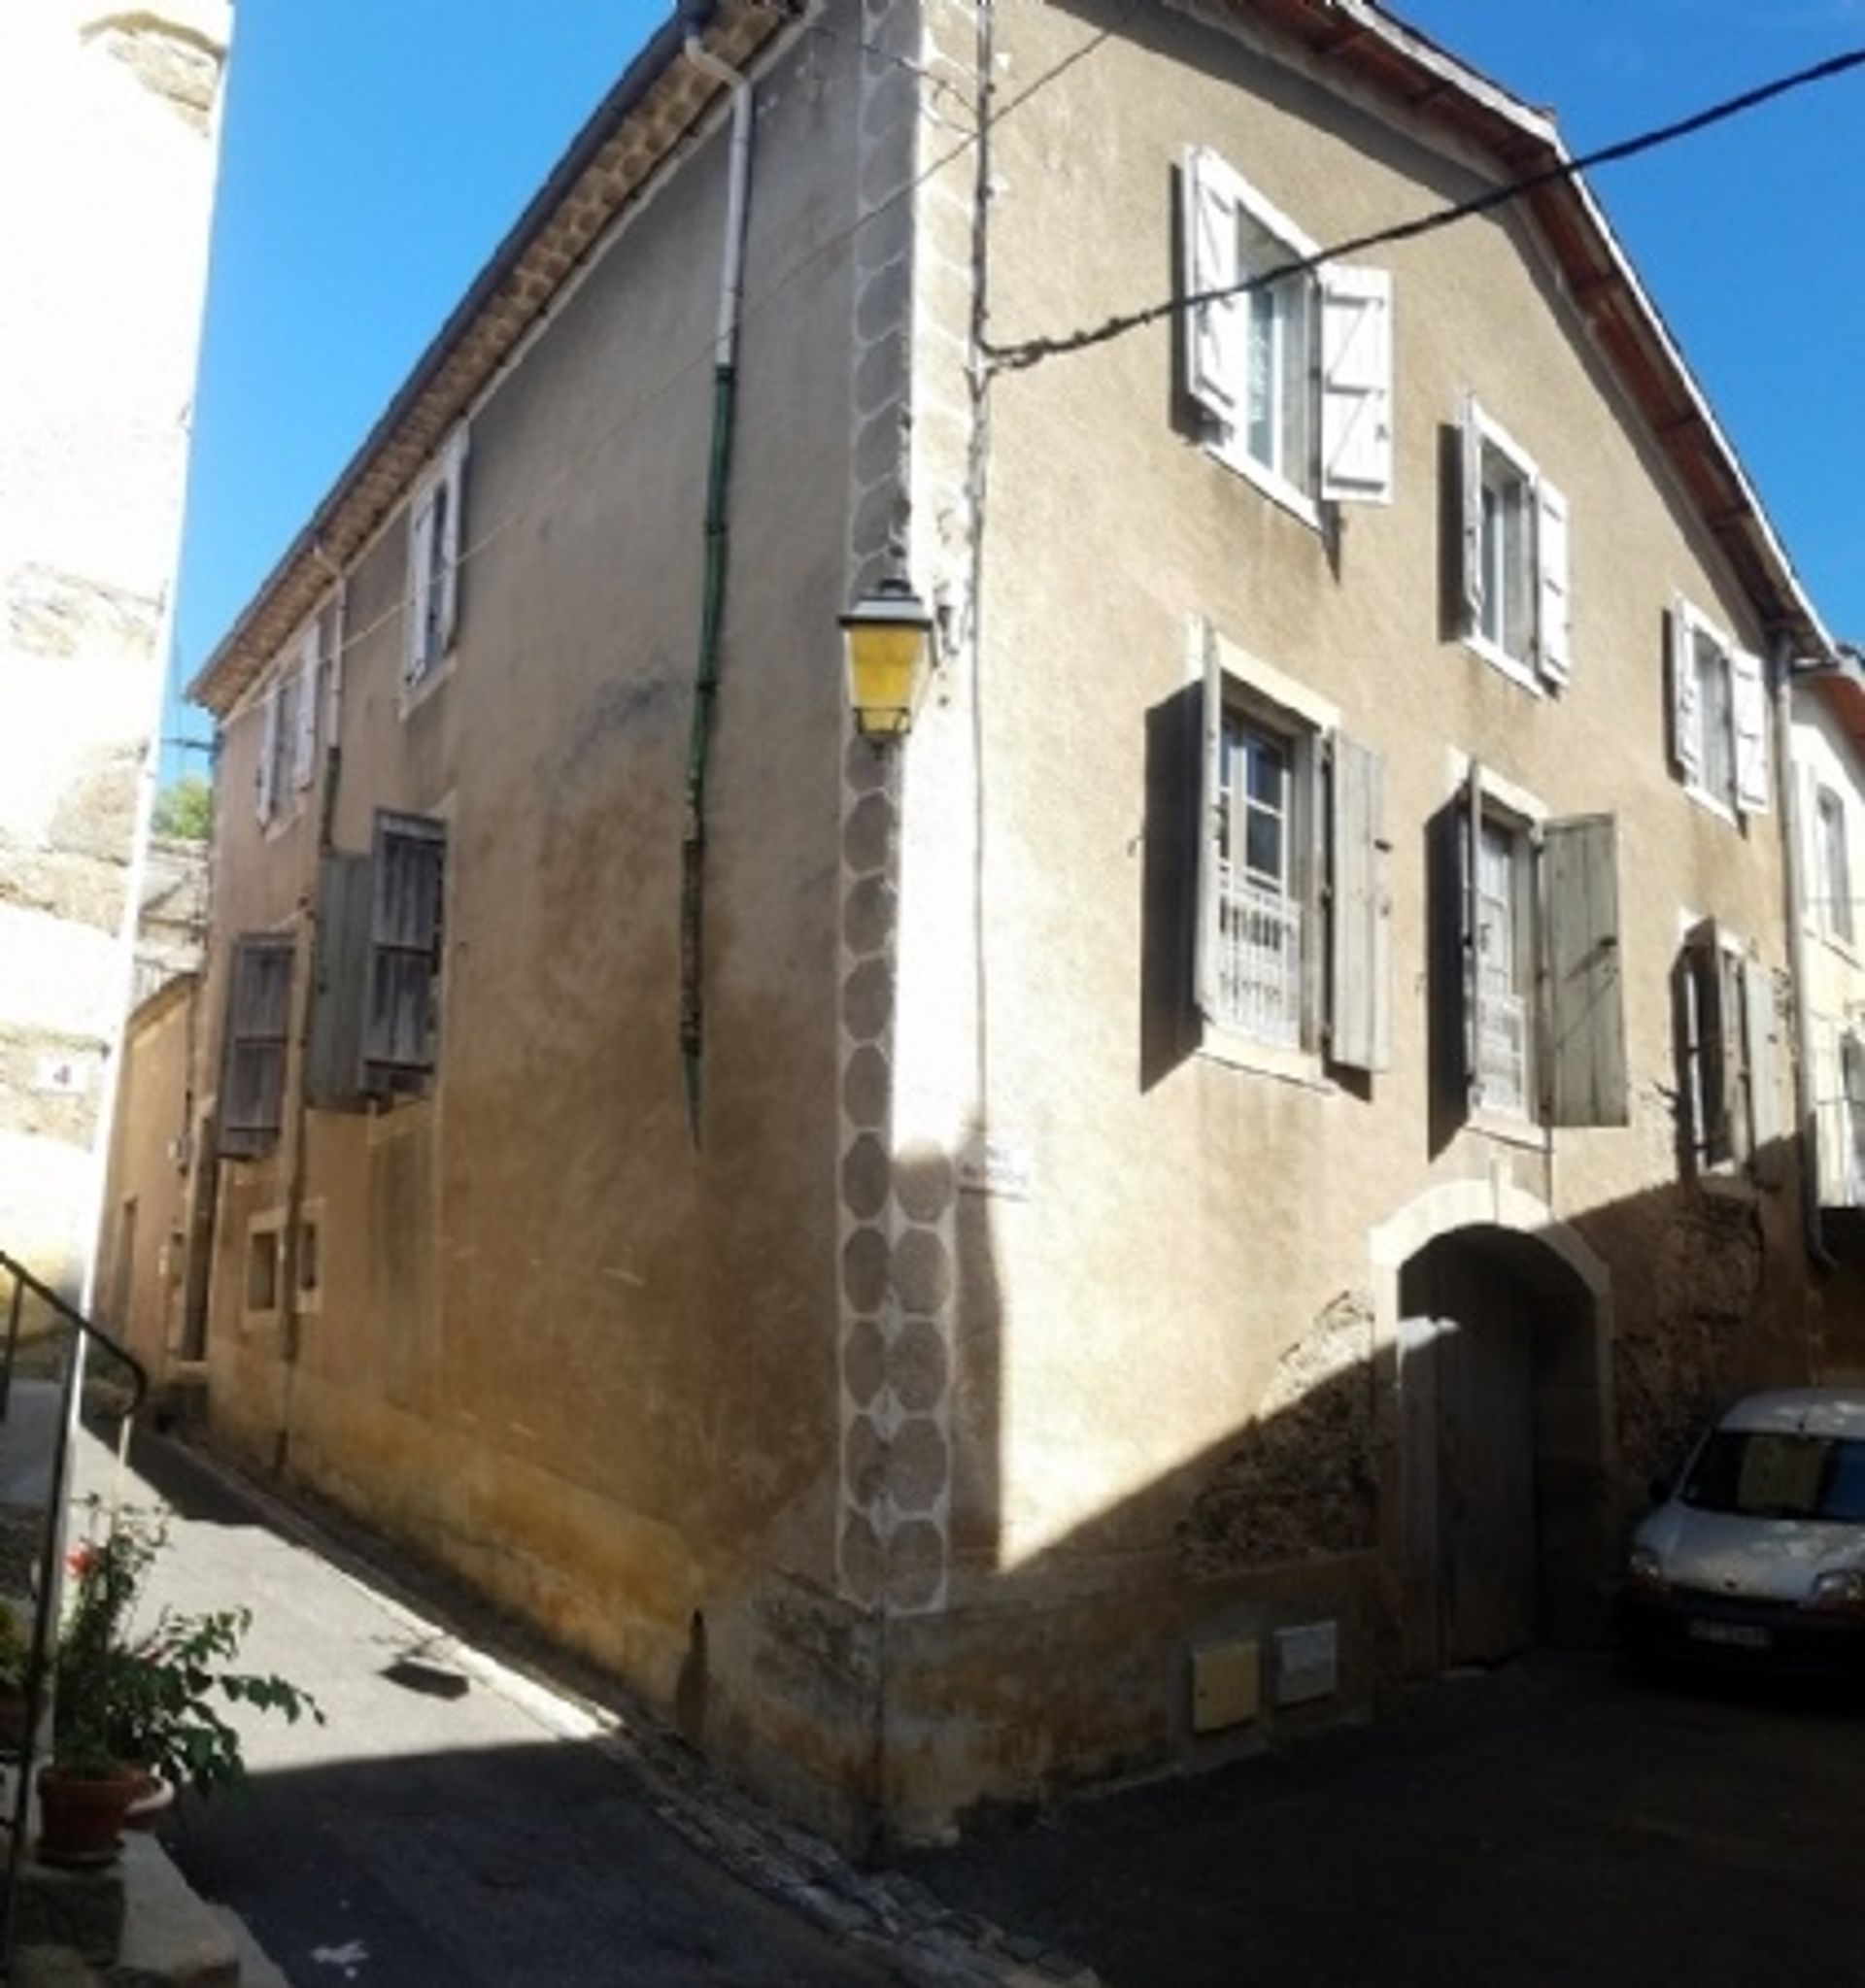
(108, 127)
(1828, 792)
(1198, 1180)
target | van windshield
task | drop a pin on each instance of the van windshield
(1764, 1474)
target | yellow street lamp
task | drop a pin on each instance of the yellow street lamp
(887, 635)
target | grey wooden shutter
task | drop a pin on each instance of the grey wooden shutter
(265, 794)
(1713, 1137)
(1554, 609)
(1215, 330)
(404, 949)
(421, 570)
(1356, 384)
(1359, 911)
(258, 1027)
(1687, 734)
(1471, 846)
(304, 743)
(1749, 691)
(340, 975)
(1210, 804)
(1471, 495)
(1763, 1105)
(454, 486)
(1583, 1007)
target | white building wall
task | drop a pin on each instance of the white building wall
(109, 128)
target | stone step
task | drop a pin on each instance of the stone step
(162, 1934)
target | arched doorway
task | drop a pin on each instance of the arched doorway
(1494, 1486)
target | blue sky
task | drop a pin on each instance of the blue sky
(373, 156)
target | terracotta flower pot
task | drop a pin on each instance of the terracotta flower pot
(81, 1817)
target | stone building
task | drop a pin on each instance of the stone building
(1089, 1235)
(108, 139)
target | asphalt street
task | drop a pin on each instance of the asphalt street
(439, 1828)
(1552, 1822)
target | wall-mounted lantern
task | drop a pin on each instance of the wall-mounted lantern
(887, 634)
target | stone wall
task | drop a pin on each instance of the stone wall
(107, 154)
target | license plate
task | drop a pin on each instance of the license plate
(1731, 1635)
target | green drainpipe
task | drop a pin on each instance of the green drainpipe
(693, 850)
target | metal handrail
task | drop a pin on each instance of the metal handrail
(44, 1601)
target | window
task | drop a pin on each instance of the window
(1833, 871)
(310, 1261)
(1719, 716)
(1514, 556)
(1530, 1015)
(1294, 378)
(262, 1266)
(1500, 956)
(1725, 1028)
(288, 739)
(1291, 805)
(402, 988)
(433, 564)
(259, 1017)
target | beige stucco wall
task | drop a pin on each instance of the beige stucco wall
(581, 1354)
(108, 132)
(1186, 1246)
(142, 1248)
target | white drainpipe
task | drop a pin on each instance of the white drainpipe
(731, 279)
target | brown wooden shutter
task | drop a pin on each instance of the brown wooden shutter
(1583, 1010)
(1359, 911)
(258, 1027)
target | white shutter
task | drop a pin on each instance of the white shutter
(1471, 564)
(449, 549)
(1750, 691)
(1356, 384)
(1209, 798)
(421, 539)
(1553, 636)
(1686, 741)
(304, 746)
(1215, 330)
(265, 795)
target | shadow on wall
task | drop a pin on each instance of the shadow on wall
(1479, 1474)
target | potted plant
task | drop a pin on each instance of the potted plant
(134, 1710)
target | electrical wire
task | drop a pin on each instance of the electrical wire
(1033, 352)
(1030, 351)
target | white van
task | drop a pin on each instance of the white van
(1756, 1554)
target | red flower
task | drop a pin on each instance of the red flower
(82, 1558)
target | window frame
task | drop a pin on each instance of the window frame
(1746, 736)
(431, 606)
(386, 1068)
(1545, 663)
(1724, 1131)
(1336, 863)
(1832, 826)
(1344, 369)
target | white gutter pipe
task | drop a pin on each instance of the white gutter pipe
(731, 277)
